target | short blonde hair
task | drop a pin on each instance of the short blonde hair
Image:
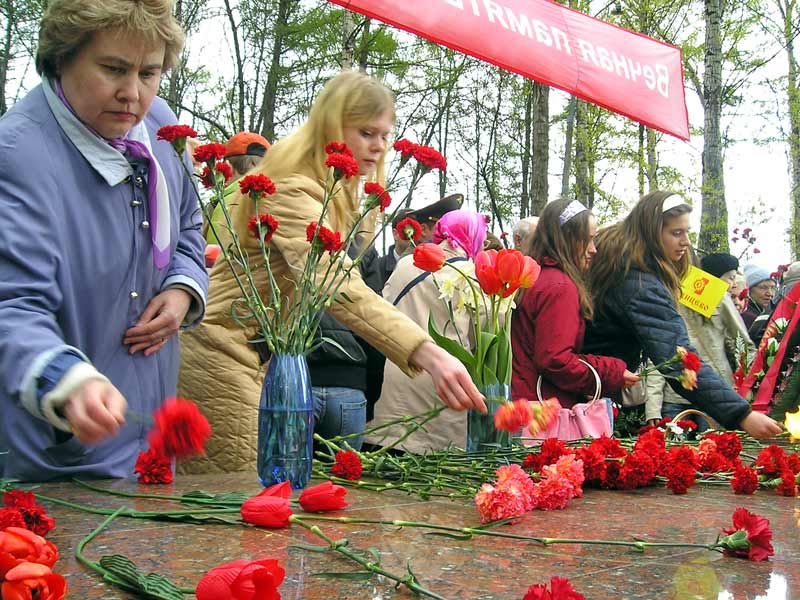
(67, 25)
(350, 99)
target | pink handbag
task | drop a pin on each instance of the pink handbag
(588, 419)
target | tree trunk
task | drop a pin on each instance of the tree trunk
(794, 125)
(239, 116)
(363, 50)
(525, 198)
(640, 160)
(5, 57)
(271, 87)
(348, 39)
(567, 168)
(582, 183)
(714, 221)
(652, 160)
(541, 148)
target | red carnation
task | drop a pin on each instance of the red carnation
(322, 497)
(750, 537)
(408, 229)
(35, 517)
(208, 177)
(430, 159)
(269, 225)
(787, 486)
(728, 443)
(338, 148)
(342, 165)
(330, 241)
(405, 148)
(19, 499)
(257, 186)
(560, 589)
(745, 480)
(348, 465)
(691, 361)
(209, 152)
(153, 468)
(180, 429)
(267, 511)
(11, 517)
(376, 193)
(772, 460)
(176, 135)
(170, 133)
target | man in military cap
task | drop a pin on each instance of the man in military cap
(428, 215)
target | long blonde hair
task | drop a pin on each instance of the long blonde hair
(635, 242)
(350, 99)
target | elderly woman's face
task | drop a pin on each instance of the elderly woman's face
(112, 81)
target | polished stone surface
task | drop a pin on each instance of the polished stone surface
(479, 569)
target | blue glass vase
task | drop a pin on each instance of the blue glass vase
(482, 435)
(286, 422)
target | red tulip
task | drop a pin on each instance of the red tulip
(509, 265)
(429, 257)
(530, 272)
(513, 416)
(18, 545)
(33, 580)
(325, 496)
(242, 580)
(279, 490)
(267, 511)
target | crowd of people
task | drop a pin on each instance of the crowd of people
(92, 305)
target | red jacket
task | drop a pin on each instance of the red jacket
(547, 337)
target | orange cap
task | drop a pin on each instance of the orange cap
(246, 142)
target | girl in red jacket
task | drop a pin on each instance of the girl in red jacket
(549, 321)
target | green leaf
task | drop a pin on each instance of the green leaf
(503, 369)
(153, 585)
(452, 347)
(226, 499)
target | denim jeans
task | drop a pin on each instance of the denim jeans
(340, 411)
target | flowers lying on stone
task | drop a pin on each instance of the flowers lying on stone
(347, 465)
(322, 497)
(515, 493)
(560, 589)
(750, 537)
(21, 510)
(153, 468)
(26, 560)
(179, 430)
(267, 511)
(242, 580)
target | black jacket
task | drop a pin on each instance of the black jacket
(638, 319)
(328, 364)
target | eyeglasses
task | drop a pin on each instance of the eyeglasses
(766, 287)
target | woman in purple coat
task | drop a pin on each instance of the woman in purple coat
(101, 256)
(549, 321)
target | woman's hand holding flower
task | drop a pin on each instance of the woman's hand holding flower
(450, 378)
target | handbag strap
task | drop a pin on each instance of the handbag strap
(597, 389)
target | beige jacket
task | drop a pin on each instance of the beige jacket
(221, 371)
(400, 396)
(714, 339)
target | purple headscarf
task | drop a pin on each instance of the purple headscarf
(463, 229)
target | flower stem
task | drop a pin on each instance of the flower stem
(340, 546)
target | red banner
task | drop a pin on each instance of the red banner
(623, 71)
